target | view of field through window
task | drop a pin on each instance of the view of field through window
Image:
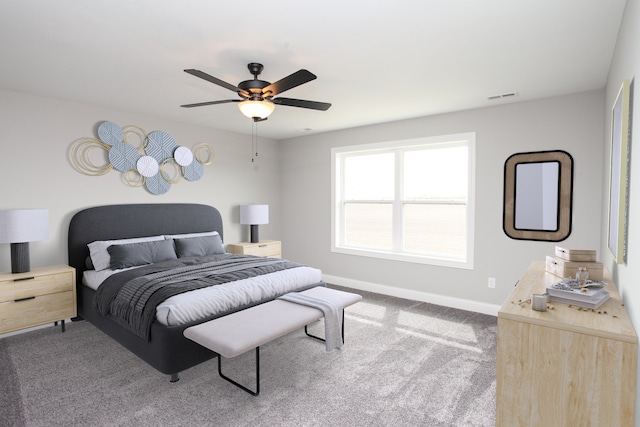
(409, 200)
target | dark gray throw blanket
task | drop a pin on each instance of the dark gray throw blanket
(130, 297)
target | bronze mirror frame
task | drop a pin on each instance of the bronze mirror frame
(565, 195)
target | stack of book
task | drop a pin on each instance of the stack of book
(590, 295)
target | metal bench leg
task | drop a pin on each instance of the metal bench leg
(253, 393)
(322, 339)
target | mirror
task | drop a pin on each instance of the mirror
(538, 195)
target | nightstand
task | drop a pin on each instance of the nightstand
(264, 248)
(42, 295)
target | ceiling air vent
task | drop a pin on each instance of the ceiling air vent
(503, 95)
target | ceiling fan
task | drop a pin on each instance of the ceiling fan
(257, 96)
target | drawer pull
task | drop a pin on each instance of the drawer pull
(262, 246)
(24, 299)
(23, 278)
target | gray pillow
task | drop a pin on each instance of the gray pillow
(133, 254)
(199, 246)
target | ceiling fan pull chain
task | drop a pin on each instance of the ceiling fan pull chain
(254, 141)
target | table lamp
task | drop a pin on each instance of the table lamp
(254, 215)
(19, 227)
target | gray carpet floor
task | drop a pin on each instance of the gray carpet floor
(404, 363)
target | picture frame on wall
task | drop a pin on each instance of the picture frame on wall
(619, 180)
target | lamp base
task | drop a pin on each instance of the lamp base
(255, 237)
(20, 257)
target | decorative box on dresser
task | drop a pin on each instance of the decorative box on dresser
(566, 366)
(42, 295)
(264, 248)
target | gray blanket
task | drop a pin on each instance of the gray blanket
(332, 318)
(130, 298)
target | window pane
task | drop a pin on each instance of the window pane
(436, 173)
(368, 225)
(439, 230)
(369, 177)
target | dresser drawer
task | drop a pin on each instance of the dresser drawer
(36, 311)
(11, 290)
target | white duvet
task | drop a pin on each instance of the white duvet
(193, 305)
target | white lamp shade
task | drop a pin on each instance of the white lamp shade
(254, 214)
(256, 109)
(24, 225)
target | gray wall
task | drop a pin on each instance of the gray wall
(573, 123)
(625, 65)
(36, 134)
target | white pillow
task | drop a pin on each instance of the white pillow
(186, 236)
(100, 256)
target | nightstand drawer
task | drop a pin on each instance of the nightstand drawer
(36, 311)
(264, 248)
(11, 290)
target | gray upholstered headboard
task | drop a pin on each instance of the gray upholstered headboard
(137, 220)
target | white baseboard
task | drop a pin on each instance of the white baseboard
(459, 303)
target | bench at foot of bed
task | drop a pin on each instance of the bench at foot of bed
(245, 330)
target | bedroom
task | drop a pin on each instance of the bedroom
(292, 174)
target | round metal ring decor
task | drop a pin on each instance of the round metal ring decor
(146, 162)
(83, 152)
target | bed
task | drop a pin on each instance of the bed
(165, 348)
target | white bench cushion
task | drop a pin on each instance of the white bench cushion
(244, 330)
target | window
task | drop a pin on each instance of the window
(406, 200)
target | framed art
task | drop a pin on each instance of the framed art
(620, 132)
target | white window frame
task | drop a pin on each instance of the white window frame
(336, 203)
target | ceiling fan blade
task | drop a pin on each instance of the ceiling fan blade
(216, 80)
(202, 104)
(313, 105)
(289, 82)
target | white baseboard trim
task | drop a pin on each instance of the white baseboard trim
(459, 303)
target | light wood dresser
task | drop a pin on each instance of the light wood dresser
(42, 295)
(565, 366)
(264, 248)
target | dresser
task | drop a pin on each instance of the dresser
(565, 366)
(264, 248)
(42, 295)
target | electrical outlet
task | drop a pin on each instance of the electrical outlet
(492, 282)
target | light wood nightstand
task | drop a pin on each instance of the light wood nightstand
(264, 248)
(42, 295)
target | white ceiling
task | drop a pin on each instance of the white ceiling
(376, 60)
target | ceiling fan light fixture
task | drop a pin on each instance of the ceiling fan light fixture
(256, 109)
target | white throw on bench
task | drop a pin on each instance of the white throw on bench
(236, 333)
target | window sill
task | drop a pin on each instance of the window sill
(418, 259)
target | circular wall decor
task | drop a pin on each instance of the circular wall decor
(156, 185)
(203, 153)
(193, 172)
(110, 133)
(183, 156)
(177, 175)
(123, 156)
(160, 145)
(147, 166)
(82, 155)
(133, 178)
(156, 163)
